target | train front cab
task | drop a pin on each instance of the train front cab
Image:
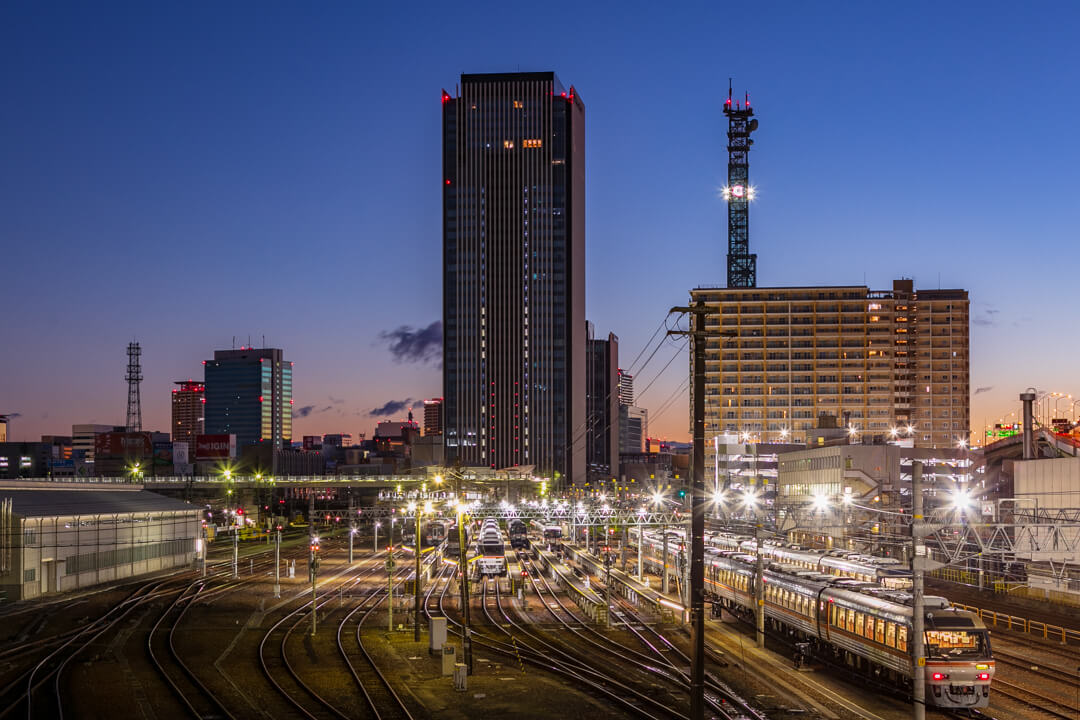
(959, 664)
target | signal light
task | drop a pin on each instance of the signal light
(939, 676)
(984, 676)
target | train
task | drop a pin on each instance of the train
(889, 572)
(551, 534)
(864, 625)
(453, 540)
(490, 550)
(519, 535)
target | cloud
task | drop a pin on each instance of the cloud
(336, 401)
(987, 319)
(410, 345)
(12, 416)
(303, 412)
(418, 404)
(392, 407)
(987, 388)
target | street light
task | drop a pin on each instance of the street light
(463, 568)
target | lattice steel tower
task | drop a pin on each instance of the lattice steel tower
(741, 264)
(134, 377)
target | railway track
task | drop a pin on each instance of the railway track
(382, 700)
(1037, 701)
(280, 672)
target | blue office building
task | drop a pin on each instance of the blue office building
(249, 394)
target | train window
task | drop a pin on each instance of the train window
(851, 621)
(952, 644)
(879, 633)
(841, 617)
(890, 634)
(901, 638)
(869, 635)
(859, 623)
(832, 618)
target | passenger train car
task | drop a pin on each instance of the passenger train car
(453, 541)
(490, 550)
(863, 625)
(890, 572)
(519, 535)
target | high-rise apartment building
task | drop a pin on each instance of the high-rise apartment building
(433, 416)
(602, 405)
(626, 388)
(249, 394)
(188, 401)
(776, 358)
(514, 274)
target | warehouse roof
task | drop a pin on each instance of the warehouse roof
(49, 502)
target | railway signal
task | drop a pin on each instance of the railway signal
(314, 566)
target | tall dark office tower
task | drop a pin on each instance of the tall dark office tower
(602, 405)
(249, 394)
(514, 274)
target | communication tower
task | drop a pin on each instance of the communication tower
(741, 264)
(134, 377)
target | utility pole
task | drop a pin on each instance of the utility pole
(463, 568)
(759, 584)
(663, 562)
(416, 580)
(696, 548)
(607, 586)
(352, 529)
(390, 587)
(236, 552)
(640, 543)
(311, 557)
(375, 548)
(277, 566)
(314, 576)
(918, 611)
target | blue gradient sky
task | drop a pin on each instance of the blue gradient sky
(184, 175)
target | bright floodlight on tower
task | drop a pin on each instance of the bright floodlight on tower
(961, 499)
(821, 502)
(658, 498)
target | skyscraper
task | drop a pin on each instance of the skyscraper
(626, 388)
(602, 404)
(249, 394)
(433, 418)
(514, 274)
(188, 401)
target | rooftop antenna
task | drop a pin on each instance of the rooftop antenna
(741, 263)
(134, 377)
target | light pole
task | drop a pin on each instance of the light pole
(376, 548)
(463, 568)
(918, 618)
(352, 534)
(277, 565)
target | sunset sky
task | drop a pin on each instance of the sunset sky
(189, 174)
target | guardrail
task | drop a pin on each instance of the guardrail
(589, 601)
(1019, 624)
(634, 591)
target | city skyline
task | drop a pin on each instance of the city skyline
(135, 191)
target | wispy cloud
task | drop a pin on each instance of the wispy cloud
(981, 390)
(336, 401)
(303, 412)
(419, 345)
(987, 318)
(392, 407)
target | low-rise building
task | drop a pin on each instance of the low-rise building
(58, 537)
